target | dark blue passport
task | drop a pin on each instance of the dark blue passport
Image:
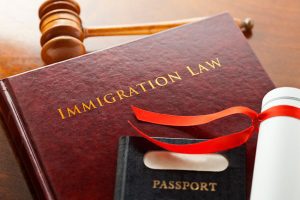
(135, 181)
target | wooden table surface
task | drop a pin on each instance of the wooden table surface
(275, 40)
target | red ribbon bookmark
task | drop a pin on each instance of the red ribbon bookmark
(212, 145)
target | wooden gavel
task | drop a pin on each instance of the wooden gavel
(63, 34)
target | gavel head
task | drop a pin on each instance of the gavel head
(62, 32)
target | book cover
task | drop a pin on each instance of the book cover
(135, 180)
(64, 120)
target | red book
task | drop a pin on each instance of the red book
(65, 119)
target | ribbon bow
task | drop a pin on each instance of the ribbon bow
(218, 144)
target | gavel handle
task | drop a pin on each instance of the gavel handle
(146, 29)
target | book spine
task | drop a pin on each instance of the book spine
(121, 169)
(22, 145)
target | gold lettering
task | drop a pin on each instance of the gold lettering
(185, 185)
(141, 85)
(171, 185)
(213, 63)
(191, 71)
(73, 112)
(61, 113)
(172, 77)
(151, 84)
(204, 186)
(121, 94)
(195, 186)
(99, 101)
(213, 186)
(116, 95)
(178, 185)
(89, 107)
(155, 183)
(163, 185)
(201, 67)
(113, 99)
(132, 91)
(165, 81)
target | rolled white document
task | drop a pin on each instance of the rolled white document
(277, 163)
